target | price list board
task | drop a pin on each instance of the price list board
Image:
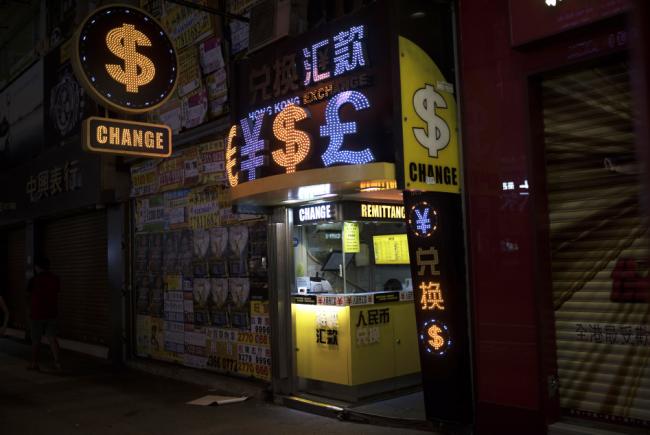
(391, 249)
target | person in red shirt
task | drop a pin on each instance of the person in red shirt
(43, 292)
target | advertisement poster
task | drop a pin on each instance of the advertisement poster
(150, 214)
(176, 212)
(143, 336)
(211, 55)
(195, 108)
(157, 339)
(174, 337)
(238, 242)
(201, 293)
(171, 172)
(156, 296)
(155, 253)
(185, 253)
(143, 294)
(204, 208)
(191, 170)
(217, 262)
(141, 254)
(239, 289)
(195, 347)
(186, 26)
(217, 302)
(211, 162)
(171, 245)
(173, 303)
(189, 74)
(144, 178)
(201, 246)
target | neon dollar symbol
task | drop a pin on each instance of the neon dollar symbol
(297, 142)
(436, 340)
(436, 136)
(138, 69)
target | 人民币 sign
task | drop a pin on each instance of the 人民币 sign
(115, 136)
(124, 59)
(316, 101)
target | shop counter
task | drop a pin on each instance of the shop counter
(354, 339)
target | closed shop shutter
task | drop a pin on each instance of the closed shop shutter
(77, 249)
(599, 245)
(16, 284)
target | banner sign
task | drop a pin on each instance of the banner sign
(348, 211)
(124, 59)
(429, 127)
(316, 101)
(436, 250)
(104, 135)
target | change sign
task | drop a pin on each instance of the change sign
(126, 137)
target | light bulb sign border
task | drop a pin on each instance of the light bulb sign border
(165, 63)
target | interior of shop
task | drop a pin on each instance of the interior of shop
(353, 282)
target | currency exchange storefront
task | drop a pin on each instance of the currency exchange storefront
(317, 145)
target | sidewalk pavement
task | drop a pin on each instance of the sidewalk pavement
(90, 397)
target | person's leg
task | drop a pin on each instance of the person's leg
(54, 343)
(37, 334)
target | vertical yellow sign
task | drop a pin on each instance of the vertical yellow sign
(351, 242)
(429, 127)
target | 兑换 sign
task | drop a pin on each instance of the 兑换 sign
(436, 243)
(124, 59)
(316, 101)
(115, 136)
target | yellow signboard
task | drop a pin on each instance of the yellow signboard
(429, 127)
(391, 249)
(351, 242)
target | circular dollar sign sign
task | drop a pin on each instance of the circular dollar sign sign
(435, 337)
(125, 60)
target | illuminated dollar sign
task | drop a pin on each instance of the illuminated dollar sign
(436, 341)
(297, 142)
(138, 69)
(436, 136)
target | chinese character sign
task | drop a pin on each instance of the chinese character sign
(314, 102)
(436, 248)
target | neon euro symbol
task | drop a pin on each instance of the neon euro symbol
(436, 136)
(436, 340)
(138, 69)
(297, 142)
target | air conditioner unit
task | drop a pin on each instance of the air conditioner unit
(271, 20)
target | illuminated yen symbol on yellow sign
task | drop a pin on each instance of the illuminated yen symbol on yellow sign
(138, 69)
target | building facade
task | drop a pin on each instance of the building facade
(272, 245)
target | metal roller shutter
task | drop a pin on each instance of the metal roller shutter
(77, 249)
(599, 245)
(16, 284)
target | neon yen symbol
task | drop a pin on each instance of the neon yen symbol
(423, 223)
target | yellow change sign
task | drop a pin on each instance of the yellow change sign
(429, 127)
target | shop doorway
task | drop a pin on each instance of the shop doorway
(352, 313)
(598, 232)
